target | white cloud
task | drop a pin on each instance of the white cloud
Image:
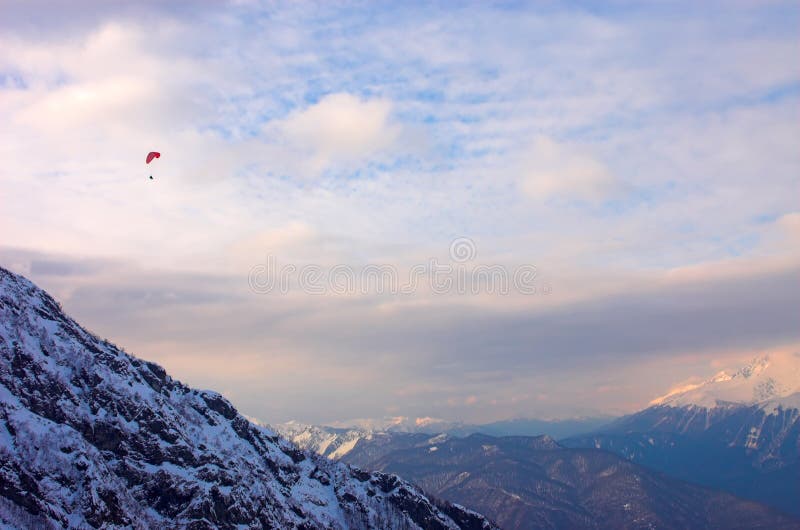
(340, 128)
(791, 223)
(556, 170)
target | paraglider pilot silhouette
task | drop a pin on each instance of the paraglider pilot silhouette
(150, 156)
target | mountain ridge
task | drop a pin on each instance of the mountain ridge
(768, 377)
(335, 441)
(91, 436)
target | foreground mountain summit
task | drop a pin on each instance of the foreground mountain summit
(93, 437)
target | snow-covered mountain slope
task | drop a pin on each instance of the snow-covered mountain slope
(737, 431)
(93, 437)
(755, 408)
(766, 378)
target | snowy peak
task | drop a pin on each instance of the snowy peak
(337, 440)
(330, 442)
(337, 444)
(767, 378)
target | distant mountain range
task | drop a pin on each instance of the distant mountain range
(530, 483)
(336, 441)
(533, 482)
(91, 437)
(558, 428)
(737, 432)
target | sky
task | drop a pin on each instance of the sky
(616, 183)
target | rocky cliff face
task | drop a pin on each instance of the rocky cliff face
(93, 437)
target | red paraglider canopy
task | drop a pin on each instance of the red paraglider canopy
(151, 155)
